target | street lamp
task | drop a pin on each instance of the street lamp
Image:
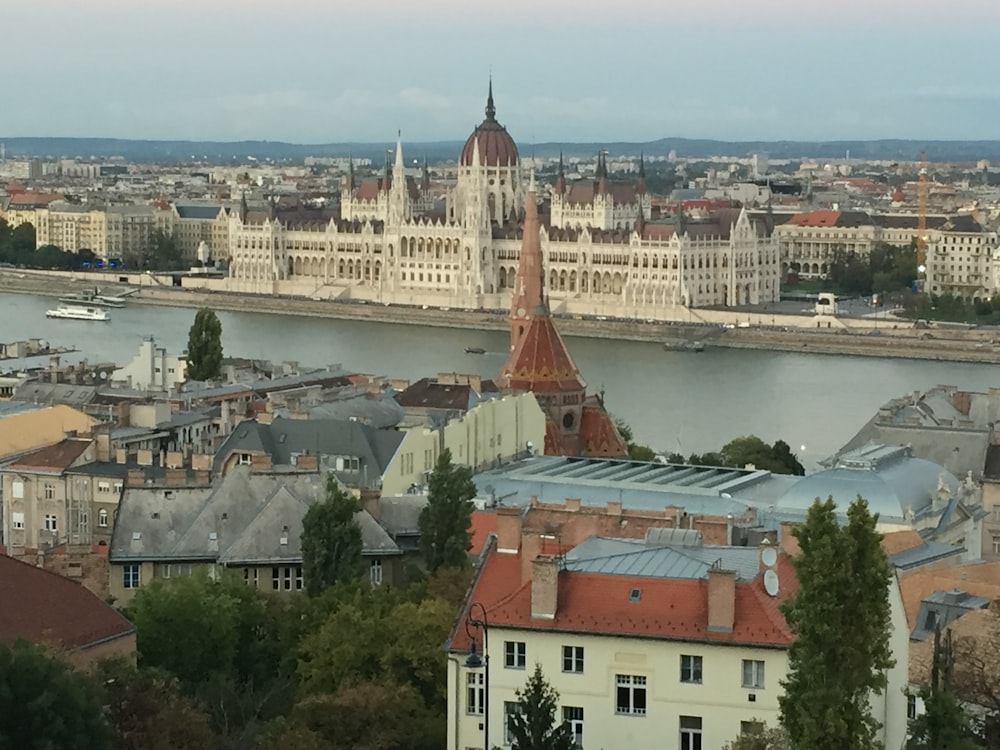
(475, 661)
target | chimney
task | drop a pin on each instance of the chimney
(103, 446)
(121, 456)
(135, 477)
(260, 461)
(508, 530)
(370, 502)
(721, 600)
(175, 459)
(144, 457)
(201, 462)
(572, 504)
(265, 417)
(787, 541)
(544, 587)
(307, 462)
(175, 477)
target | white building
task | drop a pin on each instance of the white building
(152, 369)
(397, 243)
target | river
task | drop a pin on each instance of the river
(674, 401)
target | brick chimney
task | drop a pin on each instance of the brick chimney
(544, 587)
(144, 457)
(508, 530)
(721, 600)
(103, 446)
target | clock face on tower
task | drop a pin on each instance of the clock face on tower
(521, 312)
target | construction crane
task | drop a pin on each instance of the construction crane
(921, 221)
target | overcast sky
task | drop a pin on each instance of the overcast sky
(318, 71)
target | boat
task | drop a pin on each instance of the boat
(474, 350)
(684, 346)
(77, 312)
(93, 298)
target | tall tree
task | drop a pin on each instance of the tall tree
(331, 540)
(840, 616)
(534, 726)
(204, 353)
(45, 704)
(943, 725)
(445, 520)
(760, 737)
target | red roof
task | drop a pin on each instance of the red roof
(815, 219)
(599, 604)
(496, 147)
(483, 523)
(53, 610)
(541, 363)
(56, 457)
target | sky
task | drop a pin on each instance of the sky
(322, 71)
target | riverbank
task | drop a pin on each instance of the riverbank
(942, 344)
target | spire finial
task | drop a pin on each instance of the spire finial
(491, 110)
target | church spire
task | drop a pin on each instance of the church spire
(491, 110)
(561, 177)
(399, 150)
(527, 297)
(640, 183)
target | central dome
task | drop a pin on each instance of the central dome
(496, 147)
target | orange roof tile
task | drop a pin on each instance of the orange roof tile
(599, 604)
(483, 523)
(815, 219)
(978, 579)
(56, 457)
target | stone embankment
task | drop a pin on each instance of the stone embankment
(889, 339)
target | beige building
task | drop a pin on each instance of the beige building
(152, 369)
(650, 643)
(192, 224)
(29, 430)
(963, 259)
(110, 232)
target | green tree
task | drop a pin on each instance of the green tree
(778, 458)
(204, 353)
(943, 725)
(840, 617)
(533, 726)
(45, 704)
(760, 737)
(225, 613)
(331, 540)
(162, 252)
(444, 522)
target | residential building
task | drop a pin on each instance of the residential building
(190, 224)
(24, 431)
(646, 642)
(111, 232)
(248, 521)
(48, 609)
(152, 369)
(962, 260)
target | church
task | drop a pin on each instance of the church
(396, 241)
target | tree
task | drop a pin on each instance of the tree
(973, 676)
(635, 452)
(840, 617)
(943, 725)
(533, 726)
(204, 353)
(760, 737)
(45, 704)
(162, 252)
(444, 522)
(224, 612)
(331, 540)
(778, 458)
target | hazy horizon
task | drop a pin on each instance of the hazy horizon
(234, 70)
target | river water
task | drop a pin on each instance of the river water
(674, 401)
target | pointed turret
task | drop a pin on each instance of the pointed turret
(491, 110)
(640, 221)
(561, 177)
(398, 165)
(602, 174)
(640, 183)
(425, 177)
(244, 208)
(350, 174)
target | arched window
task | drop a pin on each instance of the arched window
(102, 518)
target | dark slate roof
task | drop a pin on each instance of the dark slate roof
(242, 518)
(198, 212)
(962, 223)
(427, 393)
(924, 554)
(323, 437)
(940, 609)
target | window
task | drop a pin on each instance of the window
(753, 673)
(50, 522)
(930, 621)
(630, 694)
(130, 576)
(102, 518)
(509, 710)
(911, 707)
(118, 488)
(573, 659)
(514, 654)
(17, 520)
(996, 545)
(690, 668)
(244, 459)
(17, 491)
(250, 576)
(50, 491)
(104, 487)
(690, 733)
(475, 693)
(573, 715)
(375, 572)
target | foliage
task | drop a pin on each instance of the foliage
(954, 309)
(973, 678)
(331, 540)
(161, 253)
(45, 704)
(635, 452)
(533, 726)
(17, 247)
(840, 616)
(204, 352)
(741, 451)
(943, 725)
(148, 710)
(761, 737)
(444, 522)
(224, 613)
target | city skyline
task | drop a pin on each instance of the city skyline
(229, 71)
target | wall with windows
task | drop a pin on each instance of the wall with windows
(622, 692)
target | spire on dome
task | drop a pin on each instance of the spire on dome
(399, 149)
(350, 172)
(491, 110)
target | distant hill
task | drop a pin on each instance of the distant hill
(239, 151)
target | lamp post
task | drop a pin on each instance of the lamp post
(475, 661)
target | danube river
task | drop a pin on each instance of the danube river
(674, 401)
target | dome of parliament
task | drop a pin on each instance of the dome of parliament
(496, 147)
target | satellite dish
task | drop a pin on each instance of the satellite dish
(769, 556)
(771, 582)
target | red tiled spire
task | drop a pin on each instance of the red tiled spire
(528, 282)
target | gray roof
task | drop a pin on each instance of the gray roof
(400, 514)
(942, 608)
(888, 477)
(10, 408)
(243, 518)
(637, 557)
(198, 211)
(380, 413)
(56, 393)
(323, 437)
(925, 554)
(638, 485)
